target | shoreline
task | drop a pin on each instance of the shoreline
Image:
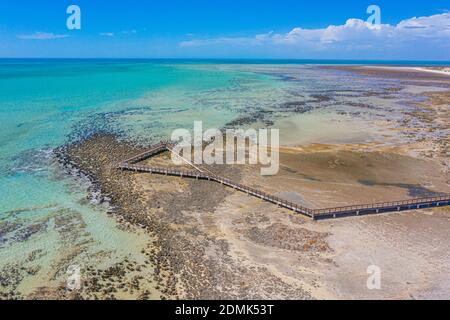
(208, 242)
(409, 73)
(444, 70)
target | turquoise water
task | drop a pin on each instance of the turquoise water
(44, 104)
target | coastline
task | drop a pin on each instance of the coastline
(398, 72)
(208, 242)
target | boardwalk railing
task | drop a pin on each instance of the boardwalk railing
(403, 205)
(197, 175)
(158, 148)
(357, 210)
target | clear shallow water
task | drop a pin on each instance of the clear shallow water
(44, 104)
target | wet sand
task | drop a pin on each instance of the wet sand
(401, 73)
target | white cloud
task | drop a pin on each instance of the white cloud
(355, 34)
(42, 36)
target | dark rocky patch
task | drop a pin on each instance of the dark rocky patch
(414, 191)
(283, 237)
(28, 231)
(320, 98)
(296, 106)
(245, 120)
(6, 228)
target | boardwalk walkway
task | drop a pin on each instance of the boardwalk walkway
(131, 164)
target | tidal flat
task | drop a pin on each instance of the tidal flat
(348, 137)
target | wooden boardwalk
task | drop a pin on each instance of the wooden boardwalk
(131, 164)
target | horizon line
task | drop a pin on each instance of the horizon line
(228, 59)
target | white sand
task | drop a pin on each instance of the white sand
(437, 70)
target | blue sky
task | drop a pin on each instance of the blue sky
(226, 29)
